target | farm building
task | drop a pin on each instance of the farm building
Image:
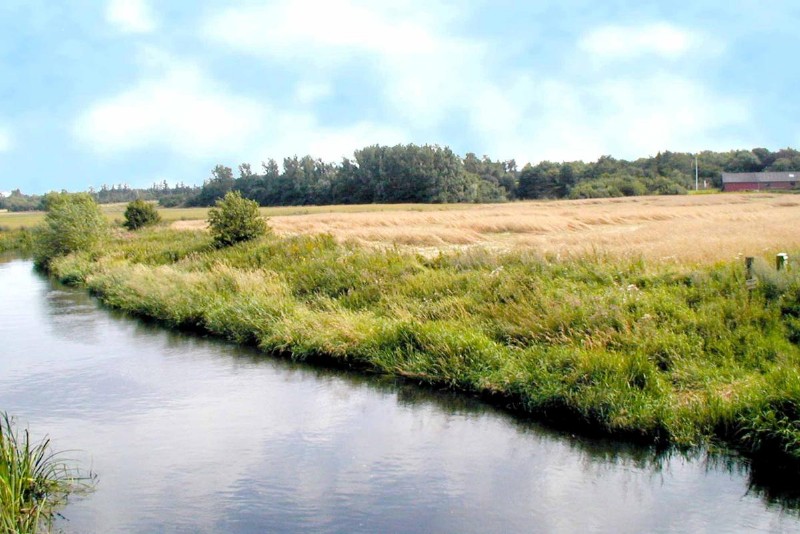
(757, 181)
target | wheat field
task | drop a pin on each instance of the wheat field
(681, 229)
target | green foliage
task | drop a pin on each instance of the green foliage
(235, 219)
(34, 482)
(140, 213)
(434, 174)
(20, 240)
(16, 201)
(73, 223)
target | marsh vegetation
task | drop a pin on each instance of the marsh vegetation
(35, 482)
(623, 346)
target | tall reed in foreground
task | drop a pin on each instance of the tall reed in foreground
(34, 481)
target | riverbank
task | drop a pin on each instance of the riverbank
(658, 353)
(20, 240)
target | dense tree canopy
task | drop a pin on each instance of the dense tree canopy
(430, 173)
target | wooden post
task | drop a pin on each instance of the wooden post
(782, 261)
(750, 280)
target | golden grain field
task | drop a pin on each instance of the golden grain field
(681, 229)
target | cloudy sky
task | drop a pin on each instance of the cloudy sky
(138, 91)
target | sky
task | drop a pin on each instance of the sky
(99, 92)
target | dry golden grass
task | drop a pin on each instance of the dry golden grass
(681, 229)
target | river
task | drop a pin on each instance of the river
(189, 434)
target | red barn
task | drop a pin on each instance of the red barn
(759, 181)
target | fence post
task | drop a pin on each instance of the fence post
(782, 261)
(750, 279)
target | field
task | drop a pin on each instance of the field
(677, 229)
(702, 228)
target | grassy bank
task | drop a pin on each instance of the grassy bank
(20, 240)
(34, 482)
(619, 346)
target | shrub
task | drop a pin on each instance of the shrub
(73, 223)
(140, 213)
(235, 219)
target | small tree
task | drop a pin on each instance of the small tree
(235, 219)
(140, 213)
(73, 223)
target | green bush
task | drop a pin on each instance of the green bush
(235, 219)
(140, 213)
(73, 223)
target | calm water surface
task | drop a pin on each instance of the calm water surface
(192, 435)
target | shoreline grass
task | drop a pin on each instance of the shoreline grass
(20, 240)
(34, 482)
(654, 352)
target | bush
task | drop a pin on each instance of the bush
(235, 219)
(140, 213)
(73, 223)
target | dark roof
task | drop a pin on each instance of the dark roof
(759, 177)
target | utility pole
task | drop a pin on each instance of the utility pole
(696, 175)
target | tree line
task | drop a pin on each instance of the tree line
(435, 174)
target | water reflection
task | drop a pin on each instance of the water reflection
(193, 435)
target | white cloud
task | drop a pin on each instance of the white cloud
(302, 135)
(182, 109)
(320, 31)
(185, 111)
(426, 72)
(131, 16)
(429, 75)
(627, 118)
(632, 42)
(311, 92)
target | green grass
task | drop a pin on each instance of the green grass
(34, 481)
(20, 240)
(654, 352)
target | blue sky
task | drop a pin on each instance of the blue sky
(139, 91)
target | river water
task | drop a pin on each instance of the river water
(193, 435)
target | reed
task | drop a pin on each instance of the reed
(34, 481)
(19, 240)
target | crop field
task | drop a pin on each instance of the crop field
(675, 229)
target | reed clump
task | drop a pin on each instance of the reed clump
(19, 240)
(34, 482)
(617, 345)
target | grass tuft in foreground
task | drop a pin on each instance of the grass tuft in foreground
(34, 481)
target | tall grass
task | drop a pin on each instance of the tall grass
(624, 346)
(34, 481)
